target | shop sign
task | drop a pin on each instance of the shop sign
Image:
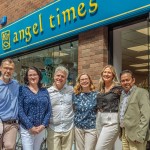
(62, 19)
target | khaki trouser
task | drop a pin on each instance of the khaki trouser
(85, 139)
(60, 140)
(127, 144)
(108, 130)
(8, 139)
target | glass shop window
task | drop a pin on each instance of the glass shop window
(47, 60)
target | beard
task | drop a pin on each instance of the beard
(6, 77)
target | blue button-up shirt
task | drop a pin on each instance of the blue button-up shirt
(34, 109)
(85, 110)
(9, 100)
(124, 103)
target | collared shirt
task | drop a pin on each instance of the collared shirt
(85, 110)
(34, 109)
(123, 104)
(62, 111)
(9, 100)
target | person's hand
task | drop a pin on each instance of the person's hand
(100, 110)
(33, 130)
(137, 142)
(40, 128)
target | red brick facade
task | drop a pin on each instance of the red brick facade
(93, 45)
(92, 52)
(15, 9)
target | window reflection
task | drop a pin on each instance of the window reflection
(47, 60)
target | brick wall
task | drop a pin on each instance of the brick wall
(93, 52)
(16, 9)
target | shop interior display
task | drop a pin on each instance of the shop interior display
(47, 60)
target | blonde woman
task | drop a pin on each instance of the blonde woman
(107, 104)
(84, 100)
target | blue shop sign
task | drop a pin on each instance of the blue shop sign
(62, 19)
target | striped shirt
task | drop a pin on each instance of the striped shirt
(62, 111)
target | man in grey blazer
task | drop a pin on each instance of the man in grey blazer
(134, 113)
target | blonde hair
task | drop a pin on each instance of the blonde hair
(78, 88)
(101, 81)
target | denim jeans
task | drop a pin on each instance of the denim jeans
(30, 141)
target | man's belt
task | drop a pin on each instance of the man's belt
(10, 121)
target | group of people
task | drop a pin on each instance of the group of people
(91, 118)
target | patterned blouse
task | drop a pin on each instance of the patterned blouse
(34, 109)
(85, 110)
(109, 101)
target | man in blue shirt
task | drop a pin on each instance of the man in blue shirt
(9, 90)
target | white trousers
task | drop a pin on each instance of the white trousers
(30, 141)
(107, 128)
(85, 139)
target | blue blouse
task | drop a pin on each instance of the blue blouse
(34, 109)
(85, 110)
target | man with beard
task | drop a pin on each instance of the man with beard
(9, 90)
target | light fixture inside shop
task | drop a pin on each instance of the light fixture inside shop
(144, 31)
(139, 48)
(139, 65)
(59, 48)
(142, 70)
(71, 45)
(59, 54)
(145, 57)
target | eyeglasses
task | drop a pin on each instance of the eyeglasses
(7, 68)
(85, 79)
(32, 75)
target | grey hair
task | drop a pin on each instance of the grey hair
(63, 69)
